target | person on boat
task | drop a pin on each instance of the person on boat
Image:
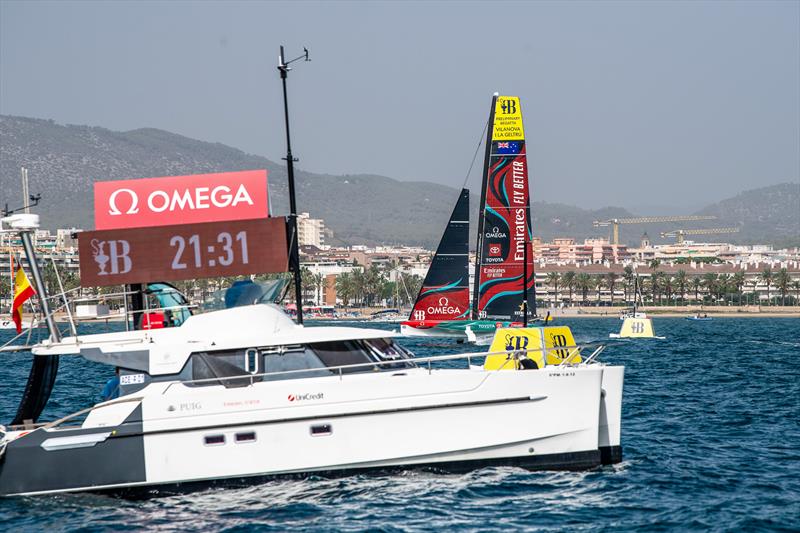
(111, 388)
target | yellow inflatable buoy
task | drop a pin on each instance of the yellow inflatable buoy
(511, 346)
(633, 327)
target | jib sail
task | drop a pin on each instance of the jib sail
(445, 292)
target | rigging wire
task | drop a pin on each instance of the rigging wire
(475, 155)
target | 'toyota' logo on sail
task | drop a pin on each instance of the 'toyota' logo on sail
(159, 201)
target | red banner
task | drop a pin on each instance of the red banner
(185, 251)
(180, 199)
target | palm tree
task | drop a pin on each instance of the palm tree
(680, 281)
(598, 283)
(306, 282)
(568, 281)
(723, 286)
(655, 285)
(668, 286)
(552, 280)
(411, 284)
(782, 281)
(710, 283)
(796, 287)
(754, 286)
(344, 287)
(696, 282)
(319, 286)
(737, 281)
(767, 276)
(583, 282)
(611, 281)
(627, 276)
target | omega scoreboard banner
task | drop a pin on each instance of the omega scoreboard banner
(182, 227)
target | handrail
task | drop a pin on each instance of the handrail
(60, 421)
(339, 368)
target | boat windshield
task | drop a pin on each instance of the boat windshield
(281, 362)
(170, 299)
(246, 292)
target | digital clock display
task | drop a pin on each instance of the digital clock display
(186, 251)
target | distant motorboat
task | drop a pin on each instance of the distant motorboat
(698, 317)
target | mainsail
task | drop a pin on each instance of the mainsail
(445, 292)
(504, 224)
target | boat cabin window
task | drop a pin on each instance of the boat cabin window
(354, 352)
(225, 364)
(286, 358)
(238, 368)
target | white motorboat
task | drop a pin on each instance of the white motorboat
(245, 392)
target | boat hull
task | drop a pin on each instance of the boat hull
(452, 420)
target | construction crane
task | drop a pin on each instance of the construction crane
(680, 233)
(615, 222)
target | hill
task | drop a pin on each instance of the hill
(64, 161)
(768, 214)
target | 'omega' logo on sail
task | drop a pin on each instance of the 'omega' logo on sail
(496, 234)
(444, 307)
(179, 200)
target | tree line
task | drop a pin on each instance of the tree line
(660, 288)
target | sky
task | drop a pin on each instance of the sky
(644, 105)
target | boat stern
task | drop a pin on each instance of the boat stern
(609, 439)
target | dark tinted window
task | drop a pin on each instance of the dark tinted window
(294, 359)
(227, 364)
(388, 350)
(355, 352)
(338, 353)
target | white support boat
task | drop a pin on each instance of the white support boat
(219, 399)
(244, 393)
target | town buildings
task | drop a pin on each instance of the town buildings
(597, 257)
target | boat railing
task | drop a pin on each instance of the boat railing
(418, 362)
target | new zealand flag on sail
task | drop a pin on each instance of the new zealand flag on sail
(507, 147)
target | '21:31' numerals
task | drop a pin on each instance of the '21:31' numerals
(224, 238)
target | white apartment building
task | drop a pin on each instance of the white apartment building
(311, 231)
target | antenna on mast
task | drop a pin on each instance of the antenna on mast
(294, 247)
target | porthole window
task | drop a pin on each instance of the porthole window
(214, 440)
(248, 436)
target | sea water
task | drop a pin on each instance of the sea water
(710, 431)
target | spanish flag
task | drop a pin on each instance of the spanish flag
(22, 291)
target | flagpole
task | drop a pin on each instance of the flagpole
(40, 288)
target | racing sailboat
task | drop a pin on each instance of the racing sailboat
(504, 274)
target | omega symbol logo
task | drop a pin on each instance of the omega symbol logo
(112, 203)
(509, 107)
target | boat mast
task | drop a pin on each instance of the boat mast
(294, 248)
(484, 180)
(525, 281)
